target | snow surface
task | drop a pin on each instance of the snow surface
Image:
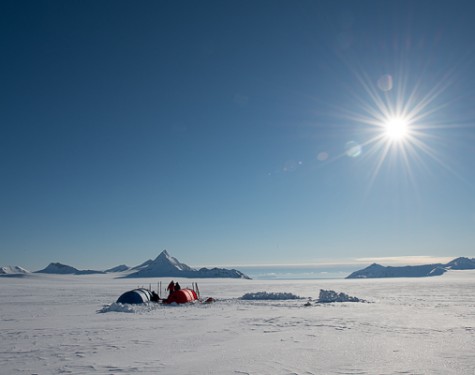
(66, 324)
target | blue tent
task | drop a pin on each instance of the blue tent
(135, 296)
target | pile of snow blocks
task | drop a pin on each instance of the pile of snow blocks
(328, 296)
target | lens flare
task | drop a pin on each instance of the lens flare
(353, 149)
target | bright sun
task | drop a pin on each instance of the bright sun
(396, 129)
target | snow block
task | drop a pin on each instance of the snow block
(135, 296)
(329, 296)
(269, 296)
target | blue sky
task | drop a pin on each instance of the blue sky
(237, 132)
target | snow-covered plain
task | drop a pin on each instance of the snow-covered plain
(52, 324)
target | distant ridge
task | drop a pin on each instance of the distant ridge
(165, 265)
(461, 263)
(13, 270)
(120, 268)
(375, 270)
(143, 265)
(63, 269)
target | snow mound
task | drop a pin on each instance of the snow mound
(328, 296)
(129, 308)
(269, 296)
(118, 307)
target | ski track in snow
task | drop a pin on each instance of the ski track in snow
(54, 325)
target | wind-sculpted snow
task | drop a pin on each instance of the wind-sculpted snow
(64, 324)
(269, 296)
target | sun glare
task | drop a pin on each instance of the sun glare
(396, 129)
(397, 121)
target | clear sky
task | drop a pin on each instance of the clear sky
(235, 132)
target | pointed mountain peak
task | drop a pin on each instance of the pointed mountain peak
(164, 259)
(164, 255)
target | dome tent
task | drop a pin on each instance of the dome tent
(136, 296)
(182, 296)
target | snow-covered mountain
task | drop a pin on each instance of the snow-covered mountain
(58, 268)
(377, 271)
(221, 273)
(120, 268)
(461, 263)
(63, 269)
(13, 270)
(143, 265)
(165, 265)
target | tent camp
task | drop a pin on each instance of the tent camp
(135, 296)
(142, 295)
(182, 296)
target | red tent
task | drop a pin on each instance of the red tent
(182, 296)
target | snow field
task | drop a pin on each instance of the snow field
(52, 325)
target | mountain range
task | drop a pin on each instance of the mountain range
(378, 271)
(164, 265)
